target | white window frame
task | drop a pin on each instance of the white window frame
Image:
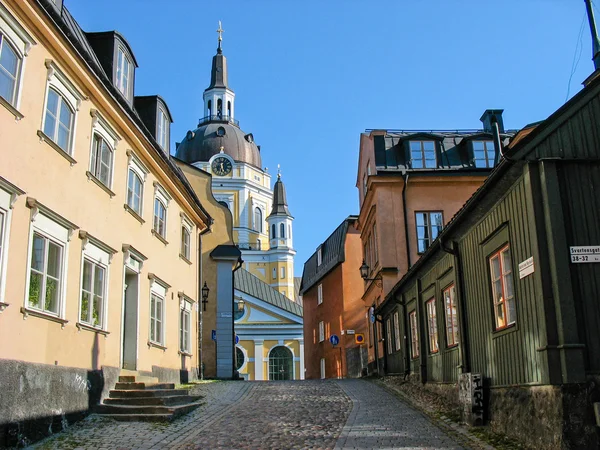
(164, 198)
(99, 254)
(125, 90)
(423, 160)
(397, 330)
(22, 42)
(103, 129)
(57, 81)
(322, 367)
(489, 149)
(187, 225)
(137, 166)
(258, 227)
(274, 273)
(388, 332)
(8, 196)
(162, 129)
(59, 230)
(319, 257)
(319, 294)
(158, 289)
(321, 331)
(282, 272)
(185, 310)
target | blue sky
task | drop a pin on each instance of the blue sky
(310, 76)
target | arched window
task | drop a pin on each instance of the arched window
(282, 231)
(101, 161)
(10, 64)
(219, 108)
(273, 229)
(58, 121)
(281, 363)
(209, 108)
(160, 218)
(229, 110)
(258, 220)
(134, 192)
(239, 358)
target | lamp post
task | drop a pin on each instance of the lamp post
(364, 274)
(205, 291)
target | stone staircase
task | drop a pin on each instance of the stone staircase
(137, 398)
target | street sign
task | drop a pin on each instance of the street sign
(213, 335)
(349, 331)
(359, 338)
(237, 339)
(334, 339)
(526, 268)
(372, 318)
(585, 254)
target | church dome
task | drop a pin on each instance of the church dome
(207, 140)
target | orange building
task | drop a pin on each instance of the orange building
(411, 183)
(331, 288)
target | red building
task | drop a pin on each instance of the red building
(331, 288)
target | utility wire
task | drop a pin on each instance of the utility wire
(576, 57)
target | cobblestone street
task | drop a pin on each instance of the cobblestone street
(275, 415)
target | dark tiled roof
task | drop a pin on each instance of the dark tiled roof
(251, 285)
(297, 296)
(453, 151)
(226, 251)
(332, 253)
(279, 199)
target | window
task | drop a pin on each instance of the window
(282, 272)
(364, 186)
(414, 336)
(322, 368)
(156, 318)
(388, 332)
(93, 286)
(239, 358)
(429, 225)
(185, 315)
(45, 277)
(123, 73)
(101, 161)
(185, 242)
(258, 220)
(58, 121)
(274, 273)
(502, 288)
(484, 153)
(160, 217)
(134, 192)
(319, 294)
(319, 257)
(282, 230)
(432, 326)
(2, 247)
(397, 330)
(273, 229)
(10, 65)
(422, 155)
(162, 130)
(451, 317)
(374, 235)
(258, 244)
(321, 331)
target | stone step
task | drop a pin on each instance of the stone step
(126, 379)
(130, 393)
(135, 410)
(158, 401)
(129, 386)
(137, 376)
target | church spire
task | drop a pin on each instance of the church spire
(218, 73)
(280, 206)
(218, 98)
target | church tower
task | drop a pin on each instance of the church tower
(262, 224)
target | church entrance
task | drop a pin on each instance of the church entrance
(281, 363)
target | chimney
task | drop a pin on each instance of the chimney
(595, 41)
(487, 117)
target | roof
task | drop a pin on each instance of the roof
(218, 73)
(76, 36)
(279, 199)
(226, 251)
(332, 254)
(255, 287)
(297, 296)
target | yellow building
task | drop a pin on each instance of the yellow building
(262, 223)
(269, 331)
(102, 258)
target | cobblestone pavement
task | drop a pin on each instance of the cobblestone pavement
(380, 420)
(270, 415)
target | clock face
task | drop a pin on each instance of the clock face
(221, 166)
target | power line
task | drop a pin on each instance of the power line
(574, 64)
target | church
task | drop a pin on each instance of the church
(268, 322)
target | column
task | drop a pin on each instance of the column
(301, 342)
(258, 360)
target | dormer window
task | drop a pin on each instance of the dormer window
(422, 155)
(162, 130)
(124, 70)
(484, 153)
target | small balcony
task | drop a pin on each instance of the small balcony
(219, 118)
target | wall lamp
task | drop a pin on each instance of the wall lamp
(205, 291)
(364, 273)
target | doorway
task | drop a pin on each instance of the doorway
(130, 319)
(281, 363)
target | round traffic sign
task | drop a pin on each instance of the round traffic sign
(237, 339)
(334, 339)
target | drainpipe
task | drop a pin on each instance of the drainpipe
(406, 344)
(200, 304)
(406, 235)
(375, 340)
(464, 349)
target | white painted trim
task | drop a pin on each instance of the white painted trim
(288, 346)
(246, 359)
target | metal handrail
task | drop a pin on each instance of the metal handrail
(219, 118)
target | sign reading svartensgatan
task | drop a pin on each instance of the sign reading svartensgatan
(585, 254)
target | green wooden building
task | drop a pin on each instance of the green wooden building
(511, 287)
